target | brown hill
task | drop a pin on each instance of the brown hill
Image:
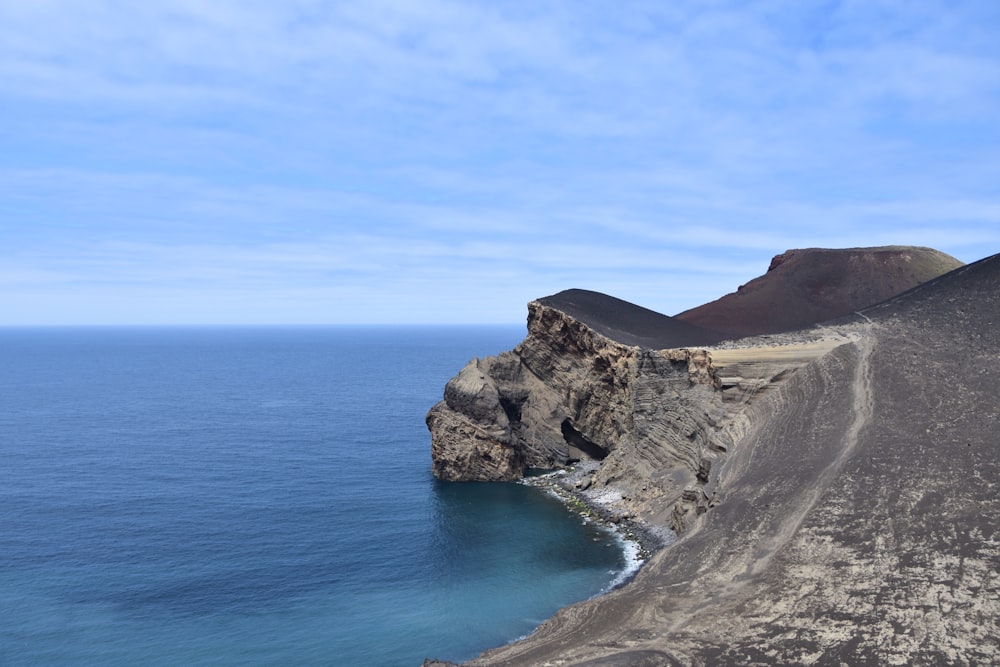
(804, 287)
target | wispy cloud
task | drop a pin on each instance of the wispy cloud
(448, 159)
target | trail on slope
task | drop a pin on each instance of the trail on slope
(727, 587)
(862, 410)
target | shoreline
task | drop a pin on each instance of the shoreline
(565, 483)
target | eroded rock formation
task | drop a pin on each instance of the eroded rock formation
(567, 393)
(836, 488)
(600, 378)
(857, 519)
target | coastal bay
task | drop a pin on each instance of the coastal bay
(261, 496)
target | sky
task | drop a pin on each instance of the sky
(447, 161)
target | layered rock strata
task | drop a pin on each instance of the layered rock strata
(836, 489)
(658, 420)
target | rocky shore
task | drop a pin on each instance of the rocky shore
(833, 488)
(572, 486)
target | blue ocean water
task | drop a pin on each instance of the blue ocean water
(252, 496)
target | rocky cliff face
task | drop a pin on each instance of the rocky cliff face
(599, 378)
(658, 420)
(835, 488)
(565, 393)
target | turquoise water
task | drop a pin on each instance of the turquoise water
(261, 496)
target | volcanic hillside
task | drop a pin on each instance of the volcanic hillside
(852, 519)
(628, 323)
(803, 287)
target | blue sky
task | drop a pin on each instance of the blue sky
(227, 162)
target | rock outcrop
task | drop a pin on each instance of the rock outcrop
(600, 378)
(835, 488)
(568, 393)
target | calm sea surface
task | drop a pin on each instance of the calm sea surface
(261, 496)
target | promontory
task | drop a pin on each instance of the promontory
(823, 441)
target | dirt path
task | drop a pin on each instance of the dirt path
(862, 409)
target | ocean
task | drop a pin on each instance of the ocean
(262, 496)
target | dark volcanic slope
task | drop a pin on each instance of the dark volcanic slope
(628, 323)
(858, 518)
(965, 298)
(804, 287)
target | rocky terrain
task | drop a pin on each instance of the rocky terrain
(834, 489)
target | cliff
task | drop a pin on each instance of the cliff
(835, 488)
(657, 420)
(602, 379)
(568, 393)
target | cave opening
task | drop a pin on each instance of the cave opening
(512, 409)
(580, 441)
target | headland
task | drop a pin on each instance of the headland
(833, 486)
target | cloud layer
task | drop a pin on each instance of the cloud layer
(443, 161)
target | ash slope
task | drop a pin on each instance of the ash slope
(628, 323)
(856, 514)
(598, 377)
(803, 287)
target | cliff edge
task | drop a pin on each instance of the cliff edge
(834, 488)
(568, 393)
